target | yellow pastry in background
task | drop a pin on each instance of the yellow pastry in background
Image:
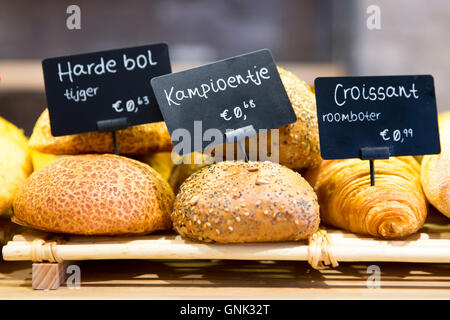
(394, 207)
(161, 162)
(184, 169)
(436, 170)
(15, 163)
(41, 159)
(136, 140)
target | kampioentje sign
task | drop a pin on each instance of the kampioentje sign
(225, 95)
(398, 112)
(86, 88)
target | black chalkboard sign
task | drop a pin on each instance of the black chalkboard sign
(394, 113)
(84, 89)
(213, 99)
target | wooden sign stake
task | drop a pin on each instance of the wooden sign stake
(239, 135)
(371, 154)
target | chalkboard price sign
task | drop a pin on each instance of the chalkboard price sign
(393, 113)
(85, 89)
(233, 94)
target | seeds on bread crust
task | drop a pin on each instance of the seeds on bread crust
(236, 208)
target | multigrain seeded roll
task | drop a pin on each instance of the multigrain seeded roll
(236, 202)
(95, 195)
(299, 141)
(136, 140)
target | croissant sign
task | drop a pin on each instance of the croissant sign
(397, 113)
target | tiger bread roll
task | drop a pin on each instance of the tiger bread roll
(236, 202)
(95, 195)
(394, 207)
(15, 163)
(435, 172)
(297, 144)
(136, 140)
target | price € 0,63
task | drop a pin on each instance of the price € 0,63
(397, 135)
(130, 105)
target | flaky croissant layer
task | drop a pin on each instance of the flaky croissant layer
(394, 207)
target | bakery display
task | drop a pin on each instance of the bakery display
(435, 173)
(83, 203)
(394, 207)
(15, 163)
(136, 140)
(235, 202)
(95, 195)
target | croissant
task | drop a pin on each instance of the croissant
(394, 207)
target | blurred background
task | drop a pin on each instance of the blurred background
(311, 38)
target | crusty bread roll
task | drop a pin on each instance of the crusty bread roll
(299, 141)
(15, 163)
(95, 195)
(436, 170)
(135, 140)
(235, 202)
(394, 207)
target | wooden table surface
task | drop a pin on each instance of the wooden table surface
(144, 279)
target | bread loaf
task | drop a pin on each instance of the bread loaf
(95, 195)
(135, 140)
(394, 207)
(436, 170)
(235, 202)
